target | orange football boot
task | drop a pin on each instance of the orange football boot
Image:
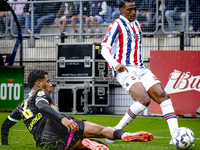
(141, 136)
(92, 145)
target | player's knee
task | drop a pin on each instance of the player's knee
(110, 128)
(164, 96)
(102, 130)
(107, 131)
(145, 100)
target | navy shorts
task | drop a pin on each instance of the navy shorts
(55, 135)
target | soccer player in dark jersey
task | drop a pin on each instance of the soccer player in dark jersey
(56, 131)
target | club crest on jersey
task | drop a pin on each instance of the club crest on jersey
(139, 28)
(108, 34)
(40, 93)
(127, 84)
(127, 28)
(133, 78)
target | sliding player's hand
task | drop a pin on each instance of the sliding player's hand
(70, 124)
(121, 68)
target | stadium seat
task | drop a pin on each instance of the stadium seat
(117, 9)
(108, 16)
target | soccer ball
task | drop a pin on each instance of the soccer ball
(183, 138)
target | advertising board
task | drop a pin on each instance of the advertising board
(11, 87)
(179, 73)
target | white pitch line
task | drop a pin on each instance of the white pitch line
(162, 137)
(157, 137)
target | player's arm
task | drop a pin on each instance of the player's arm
(105, 51)
(7, 124)
(108, 57)
(11, 120)
(107, 44)
(109, 39)
(43, 106)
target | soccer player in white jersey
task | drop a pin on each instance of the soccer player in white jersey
(121, 48)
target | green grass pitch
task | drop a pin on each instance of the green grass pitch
(21, 139)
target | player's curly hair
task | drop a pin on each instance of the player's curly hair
(34, 76)
(122, 2)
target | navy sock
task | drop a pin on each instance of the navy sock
(118, 133)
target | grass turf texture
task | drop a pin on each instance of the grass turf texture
(21, 139)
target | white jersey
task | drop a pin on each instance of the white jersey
(123, 38)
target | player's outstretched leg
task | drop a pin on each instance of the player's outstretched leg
(141, 136)
(94, 145)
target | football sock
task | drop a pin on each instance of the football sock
(131, 114)
(169, 114)
(118, 133)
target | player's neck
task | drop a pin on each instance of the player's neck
(35, 88)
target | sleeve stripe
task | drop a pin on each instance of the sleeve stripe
(40, 100)
(11, 119)
(114, 35)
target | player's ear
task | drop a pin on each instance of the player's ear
(38, 83)
(121, 10)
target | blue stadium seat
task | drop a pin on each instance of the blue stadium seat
(117, 9)
(108, 16)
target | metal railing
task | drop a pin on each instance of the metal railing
(144, 22)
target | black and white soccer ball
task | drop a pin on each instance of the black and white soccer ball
(183, 138)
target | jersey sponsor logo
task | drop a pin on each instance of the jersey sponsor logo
(108, 34)
(127, 29)
(10, 80)
(37, 117)
(138, 36)
(133, 35)
(181, 82)
(133, 78)
(10, 90)
(40, 93)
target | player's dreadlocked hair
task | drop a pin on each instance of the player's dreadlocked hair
(34, 76)
(122, 2)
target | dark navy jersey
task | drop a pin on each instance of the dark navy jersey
(28, 110)
(40, 118)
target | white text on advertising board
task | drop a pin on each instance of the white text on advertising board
(10, 91)
(181, 81)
